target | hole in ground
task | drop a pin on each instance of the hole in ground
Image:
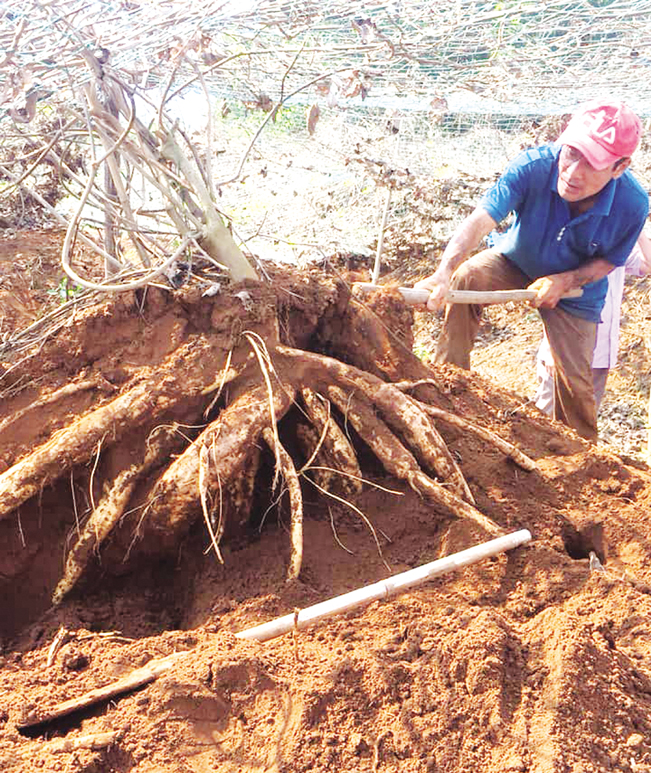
(579, 543)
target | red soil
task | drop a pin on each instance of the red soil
(528, 661)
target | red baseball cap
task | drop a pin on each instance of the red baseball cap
(604, 132)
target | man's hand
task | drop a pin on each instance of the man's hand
(464, 241)
(549, 289)
(552, 288)
(438, 285)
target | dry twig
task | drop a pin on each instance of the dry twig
(138, 678)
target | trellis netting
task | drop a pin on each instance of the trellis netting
(304, 114)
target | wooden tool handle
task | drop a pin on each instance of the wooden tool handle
(417, 297)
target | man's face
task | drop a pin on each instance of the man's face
(578, 180)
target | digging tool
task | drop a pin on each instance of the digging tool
(417, 297)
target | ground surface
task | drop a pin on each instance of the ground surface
(530, 661)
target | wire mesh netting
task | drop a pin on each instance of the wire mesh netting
(304, 114)
(526, 55)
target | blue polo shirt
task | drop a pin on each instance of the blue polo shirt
(545, 239)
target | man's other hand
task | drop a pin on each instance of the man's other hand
(438, 286)
(549, 290)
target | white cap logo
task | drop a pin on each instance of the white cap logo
(599, 125)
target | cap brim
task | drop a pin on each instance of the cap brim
(596, 155)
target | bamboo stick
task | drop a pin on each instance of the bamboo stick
(417, 297)
(383, 589)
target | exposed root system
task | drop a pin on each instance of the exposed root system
(214, 411)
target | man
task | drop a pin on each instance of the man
(577, 214)
(604, 358)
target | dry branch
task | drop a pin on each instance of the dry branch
(138, 678)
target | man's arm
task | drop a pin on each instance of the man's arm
(463, 243)
(551, 288)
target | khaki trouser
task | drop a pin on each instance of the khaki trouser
(571, 338)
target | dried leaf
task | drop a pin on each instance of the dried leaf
(366, 29)
(313, 113)
(439, 104)
(261, 102)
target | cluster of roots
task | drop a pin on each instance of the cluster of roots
(171, 419)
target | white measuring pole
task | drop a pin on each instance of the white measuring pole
(383, 589)
(380, 240)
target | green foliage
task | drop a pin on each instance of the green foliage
(65, 290)
(423, 353)
(289, 119)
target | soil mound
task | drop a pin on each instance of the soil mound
(536, 660)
